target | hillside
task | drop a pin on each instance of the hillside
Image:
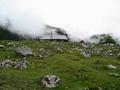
(50, 33)
(78, 65)
(6, 35)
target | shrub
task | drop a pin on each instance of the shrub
(108, 39)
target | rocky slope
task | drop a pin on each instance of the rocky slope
(40, 65)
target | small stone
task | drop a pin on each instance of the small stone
(50, 81)
(59, 49)
(86, 55)
(2, 47)
(84, 45)
(12, 44)
(118, 54)
(94, 88)
(114, 74)
(111, 66)
(40, 56)
(23, 64)
(76, 49)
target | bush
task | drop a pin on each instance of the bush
(108, 39)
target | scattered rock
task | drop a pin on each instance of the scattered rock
(109, 53)
(111, 66)
(94, 88)
(118, 55)
(114, 74)
(24, 51)
(59, 49)
(40, 56)
(85, 54)
(96, 51)
(23, 64)
(2, 47)
(84, 45)
(50, 81)
(19, 64)
(6, 63)
(12, 44)
(42, 53)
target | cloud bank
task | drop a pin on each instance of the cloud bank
(20, 19)
(80, 18)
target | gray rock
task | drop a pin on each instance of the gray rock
(85, 54)
(11, 44)
(114, 74)
(24, 51)
(118, 54)
(2, 47)
(40, 56)
(111, 66)
(6, 63)
(50, 81)
(96, 51)
(44, 53)
(84, 45)
(94, 88)
(109, 52)
(76, 49)
(23, 64)
(59, 49)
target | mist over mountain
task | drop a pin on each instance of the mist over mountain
(80, 18)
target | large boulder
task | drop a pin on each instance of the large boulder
(24, 51)
(50, 81)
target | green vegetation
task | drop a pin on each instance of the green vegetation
(109, 39)
(75, 72)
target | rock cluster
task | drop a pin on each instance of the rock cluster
(87, 50)
(22, 64)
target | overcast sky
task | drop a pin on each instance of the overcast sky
(79, 17)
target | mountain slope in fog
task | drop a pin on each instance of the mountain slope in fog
(50, 33)
(5, 34)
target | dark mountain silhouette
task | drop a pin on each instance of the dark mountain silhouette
(5, 34)
(53, 33)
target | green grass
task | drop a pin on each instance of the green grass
(75, 72)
